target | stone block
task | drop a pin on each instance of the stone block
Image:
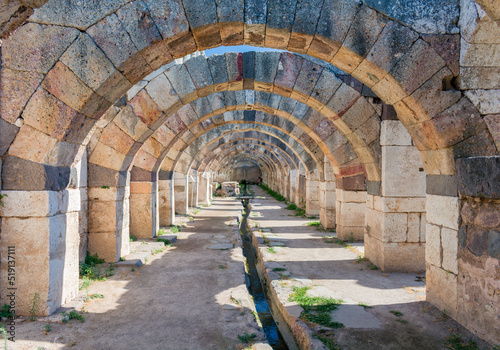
(374, 224)
(304, 24)
(394, 133)
(476, 177)
(403, 257)
(433, 252)
(346, 233)
(442, 210)
(442, 289)
(255, 20)
(200, 74)
(137, 21)
(107, 157)
(413, 234)
(444, 185)
(423, 225)
(169, 17)
(36, 47)
(494, 244)
(141, 213)
(145, 108)
(449, 244)
(351, 214)
(182, 83)
(16, 88)
(334, 23)
(104, 245)
(397, 174)
(104, 194)
(42, 145)
(487, 101)
(401, 204)
(418, 65)
(347, 104)
(429, 17)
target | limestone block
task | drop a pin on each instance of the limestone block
(400, 167)
(423, 225)
(449, 243)
(105, 194)
(374, 224)
(442, 289)
(352, 214)
(403, 257)
(346, 233)
(352, 196)
(39, 203)
(141, 214)
(369, 201)
(107, 157)
(479, 78)
(413, 227)
(401, 204)
(163, 94)
(182, 83)
(476, 25)
(394, 133)
(442, 210)
(106, 216)
(433, 252)
(394, 227)
(330, 199)
(487, 101)
(104, 245)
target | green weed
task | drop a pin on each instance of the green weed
(6, 312)
(271, 250)
(164, 240)
(314, 223)
(34, 305)
(396, 313)
(175, 228)
(133, 238)
(455, 342)
(372, 266)
(364, 305)
(96, 296)
(361, 259)
(47, 328)
(246, 338)
(277, 269)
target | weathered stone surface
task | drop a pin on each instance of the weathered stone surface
(441, 289)
(163, 94)
(169, 17)
(137, 21)
(7, 134)
(24, 175)
(487, 101)
(145, 108)
(427, 16)
(442, 185)
(182, 83)
(231, 21)
(494, 244)
(478, 177)
(16, 88)
(477, 241)
(304, 25)
(200, 73)
(35, 47)
(78, 15)
(442, 210)
(449, 242)
(280, 16)
(393, 133)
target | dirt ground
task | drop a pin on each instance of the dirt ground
(187, 297)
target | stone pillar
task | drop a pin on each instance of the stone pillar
(143, 209)
(301, 191)
(164, 203)
(312, 197)
(395, 215)
(293, 186)
(350, 214)
(108, 193)
(40, 230)
(205, 193)
(180, 195)
(328, 199)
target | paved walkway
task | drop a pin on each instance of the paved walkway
(188, 297)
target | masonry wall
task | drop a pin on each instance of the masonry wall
(247, 173)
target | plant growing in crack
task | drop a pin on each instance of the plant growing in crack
(34, 305)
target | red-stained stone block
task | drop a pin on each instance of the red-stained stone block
(114, 137)
(48, 114)
(145, 108)
(163, 135)
(175, 124)
(289, 68)
(325, 128)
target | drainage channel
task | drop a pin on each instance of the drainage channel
(254, 285)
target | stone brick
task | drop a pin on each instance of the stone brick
(304, 25)
(346, 102)
(182, 83)
(78, 15)
(477, 241)
(109, 35)
(202, 17)
(35, 47)
(476, 177)
(169, 17)
(200, 74)
(428, 17)
(433, 252)
(494, 244)
(441, 210)
(7, 134)
(394, 133)
(136, 20)
(67, 87)
(42, 145)
(419, 64)
(108, 157)
(114, 137)
(24, 175)
(413, 234)
(279, 22)
(16, 88)
(449, 243)
(394, 40)
(145, 108)
(441, 289)
(163, 94)
(218, 68)
(396, 174)
(307, 79)
(487, 101)
(255, 22)
(438, 162)
(369, 131)
(231, 21)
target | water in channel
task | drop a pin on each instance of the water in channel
(273, 335)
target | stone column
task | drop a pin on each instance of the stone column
(143, 206)
(395, 215)
(180, 195)
(108, 193)
(350, 207)
(328, 199)
(301, 191)
(312, 197)
(40, 230)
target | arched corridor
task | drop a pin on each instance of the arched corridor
(381, 120)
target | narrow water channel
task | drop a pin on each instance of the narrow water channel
(273, 335)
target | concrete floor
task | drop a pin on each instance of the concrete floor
(191, 297)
